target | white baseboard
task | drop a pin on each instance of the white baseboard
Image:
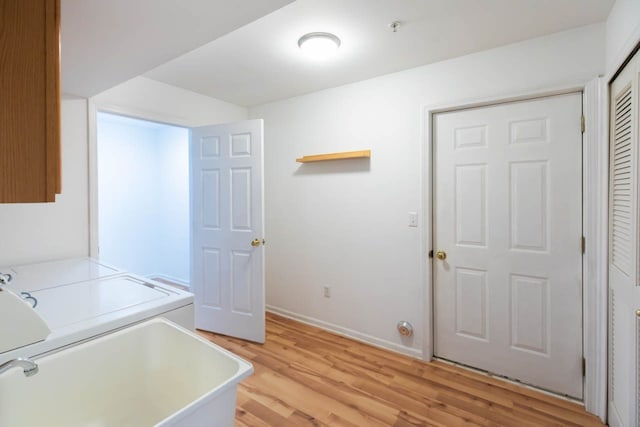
(358, 336)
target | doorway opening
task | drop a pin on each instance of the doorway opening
(143, 197)
(184, 205)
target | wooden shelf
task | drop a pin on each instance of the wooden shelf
(362, 154)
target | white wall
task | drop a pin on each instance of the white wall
(44, 231)
(344, 224)
(150, 99)
(173, 201)
(622, 32)
(128, 215)
(143, 182)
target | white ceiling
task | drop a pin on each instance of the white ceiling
(106, 42)
(261, 62)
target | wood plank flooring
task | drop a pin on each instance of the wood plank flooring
(305, 376)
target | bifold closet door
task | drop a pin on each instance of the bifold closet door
(624, 292)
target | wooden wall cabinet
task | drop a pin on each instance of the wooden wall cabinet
(30, 164)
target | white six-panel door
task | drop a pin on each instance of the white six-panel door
(508, 216)
(624, 272)
(227, 229)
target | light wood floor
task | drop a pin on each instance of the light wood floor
(305, 376)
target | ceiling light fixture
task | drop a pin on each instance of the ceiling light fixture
(319, 45)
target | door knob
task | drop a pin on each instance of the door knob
(255, 242)
(441, 255)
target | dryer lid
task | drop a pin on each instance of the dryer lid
(77, 302)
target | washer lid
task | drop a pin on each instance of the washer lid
(77, 302)
(35, 277)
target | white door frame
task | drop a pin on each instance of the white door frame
(595, 228)
(93, 108)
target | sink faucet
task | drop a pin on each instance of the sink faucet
(28, 367)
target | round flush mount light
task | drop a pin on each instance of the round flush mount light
(319, 45)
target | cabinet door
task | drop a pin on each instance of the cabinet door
(30, 101)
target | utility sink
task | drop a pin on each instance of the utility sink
(151, 374)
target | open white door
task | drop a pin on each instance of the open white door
(227, 228)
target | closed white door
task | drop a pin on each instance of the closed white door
(227, 229)
(624, 274)
(508, 218)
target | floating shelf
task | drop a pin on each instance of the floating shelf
(362, 154)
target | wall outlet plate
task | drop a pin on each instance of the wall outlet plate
(413, 219)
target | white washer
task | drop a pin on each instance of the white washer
(81, 299)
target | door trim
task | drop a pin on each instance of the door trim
(595, 228)
(595, 208)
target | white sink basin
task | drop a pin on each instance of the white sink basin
(151, 374)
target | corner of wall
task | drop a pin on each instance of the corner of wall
(622, 33)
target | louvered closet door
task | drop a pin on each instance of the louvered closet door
(624, 292)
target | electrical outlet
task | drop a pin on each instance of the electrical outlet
(327, 291)
(413, 219)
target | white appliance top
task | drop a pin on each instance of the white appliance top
(33, 277)
(82, 298)
(68, 304)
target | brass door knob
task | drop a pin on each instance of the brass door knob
(255, 242)
(441, 255)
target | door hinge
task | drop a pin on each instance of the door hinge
(584, 367)
(582, 124)
(583, 244)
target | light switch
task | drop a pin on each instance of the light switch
(413, 219)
